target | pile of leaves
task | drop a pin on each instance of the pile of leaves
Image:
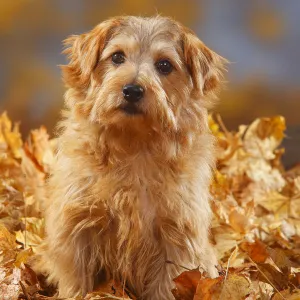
(255, 229)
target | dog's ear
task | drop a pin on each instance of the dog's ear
(204, 65)
(83, 52)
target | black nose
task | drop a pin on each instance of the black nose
(133, 93)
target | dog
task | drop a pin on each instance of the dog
(129, 189)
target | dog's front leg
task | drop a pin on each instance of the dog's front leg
(74, 248)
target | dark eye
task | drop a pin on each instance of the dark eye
(118, 58)
(164, 67)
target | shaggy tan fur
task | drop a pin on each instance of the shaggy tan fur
(129, 192)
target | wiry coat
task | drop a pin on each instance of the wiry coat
(128, 193)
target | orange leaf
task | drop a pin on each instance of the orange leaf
(257, 251)
(186, 285)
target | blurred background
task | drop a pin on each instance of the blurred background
(260, 38)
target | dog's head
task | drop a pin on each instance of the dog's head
(141, 72)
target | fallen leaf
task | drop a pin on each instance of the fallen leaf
(269, 274)
(114, 288)
(7, 245)
(186, 285)
(287, 294)
(22, 257)
(257, 251)
(233, 287)
(9, 286)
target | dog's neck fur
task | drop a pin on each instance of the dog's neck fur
(111, 143)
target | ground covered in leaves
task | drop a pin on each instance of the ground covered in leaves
(255, 229)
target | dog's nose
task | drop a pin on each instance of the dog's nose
(133, 93)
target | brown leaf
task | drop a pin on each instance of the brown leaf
(186, 285)
(288, 295)
(280, 259)
(112, 287)
(269, 274)
(28, 275)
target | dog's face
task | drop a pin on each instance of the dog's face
(132, 72)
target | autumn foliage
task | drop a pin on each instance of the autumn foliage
(255, 229)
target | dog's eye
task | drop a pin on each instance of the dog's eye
(164, 67)
(118, 58)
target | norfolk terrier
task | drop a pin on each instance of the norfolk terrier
(129, 189)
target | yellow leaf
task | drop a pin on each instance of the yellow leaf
(233, 287)
(22, 257)
(28, 239)
(274, 126)
(214, 127)
(275, 203)
(7, 244)
(238, 221)
(10, 137)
